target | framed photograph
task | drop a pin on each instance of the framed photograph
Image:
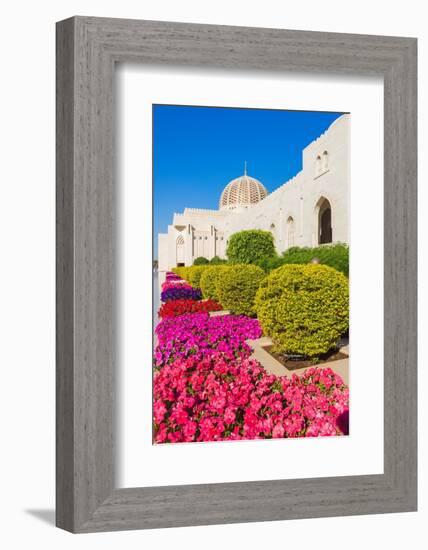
(239, 305)
(236, 274)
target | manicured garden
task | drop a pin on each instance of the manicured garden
(206, 385)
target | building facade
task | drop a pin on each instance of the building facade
(308, 210)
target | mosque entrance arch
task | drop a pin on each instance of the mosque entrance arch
(325, 228)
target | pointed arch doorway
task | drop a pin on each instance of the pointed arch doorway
(325, 229)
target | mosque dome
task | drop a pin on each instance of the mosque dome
(241, 193)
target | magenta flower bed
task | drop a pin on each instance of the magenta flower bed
(213, 399)
(176, 284)
(199, 334)
(170, 276)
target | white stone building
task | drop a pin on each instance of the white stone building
(309, 209)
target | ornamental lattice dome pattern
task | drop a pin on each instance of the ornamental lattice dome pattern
(241, 193)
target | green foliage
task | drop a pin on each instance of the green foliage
(216, 260)
(303, 308)
(268, 264)
(209, 280)
(236, 287)
(334, 255)
(193, 274)
(181, 271)
(201, 261)
(250, 246)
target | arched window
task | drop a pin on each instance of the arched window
(324, 164)
(325, 229)
(290, 232)
(318, 166)
(179, 246)
(272, 229)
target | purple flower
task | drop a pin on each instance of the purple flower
(180, 293)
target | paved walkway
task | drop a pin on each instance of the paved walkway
(273, 366)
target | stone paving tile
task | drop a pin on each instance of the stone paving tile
(219, 313)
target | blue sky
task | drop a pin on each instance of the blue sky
(198, 150)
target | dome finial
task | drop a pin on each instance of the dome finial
(245, 168)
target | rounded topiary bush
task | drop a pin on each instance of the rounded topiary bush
(193, 274)
(250, 246)
(209, 279)
(200, 260)
(236, 288)
(303, 308)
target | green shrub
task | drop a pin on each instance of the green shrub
(193, 274)
(250, 246)
(236, 287)
(180, 271)
(334, 255)
(201, 261)
(303, 308)
(209, 280)
(216, 260)
(268, 264)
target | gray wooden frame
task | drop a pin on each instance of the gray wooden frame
(87, 50)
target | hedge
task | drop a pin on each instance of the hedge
(334, 255)
(193, 274)
(250, 246)
(200, 260)
(304, 308)
(209, 279)
(180, 271)
(216, 260)
(269, 264)
(236, 288)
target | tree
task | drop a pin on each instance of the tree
(250, 246)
